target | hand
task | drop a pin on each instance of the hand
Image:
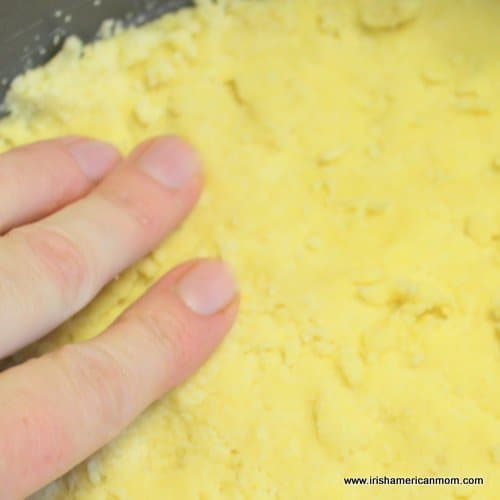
(58, 409)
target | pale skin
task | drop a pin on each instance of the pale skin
(73, 215)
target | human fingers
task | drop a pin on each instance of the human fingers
(54, 267)
(37, 179)
(60, 408)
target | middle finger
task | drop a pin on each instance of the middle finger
(51, 269)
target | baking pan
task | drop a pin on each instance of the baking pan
(31, 32)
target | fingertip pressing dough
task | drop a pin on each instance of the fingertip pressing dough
(352, 156)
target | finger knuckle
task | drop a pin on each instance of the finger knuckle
(168, 333)
(61, 259)
(139, 210)
(99, 382)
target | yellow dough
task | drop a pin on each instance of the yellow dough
(353, 182)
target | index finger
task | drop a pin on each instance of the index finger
(60, 408)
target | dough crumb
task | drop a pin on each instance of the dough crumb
(94, 471)
(495, 163)
(387, 14)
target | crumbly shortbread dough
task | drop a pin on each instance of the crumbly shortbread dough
(353, 167)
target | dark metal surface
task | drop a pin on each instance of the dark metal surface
(32, 31)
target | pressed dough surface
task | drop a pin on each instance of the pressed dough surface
(352, 154)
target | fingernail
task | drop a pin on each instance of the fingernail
(207, 288)
(170, 161)
(95, 158)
